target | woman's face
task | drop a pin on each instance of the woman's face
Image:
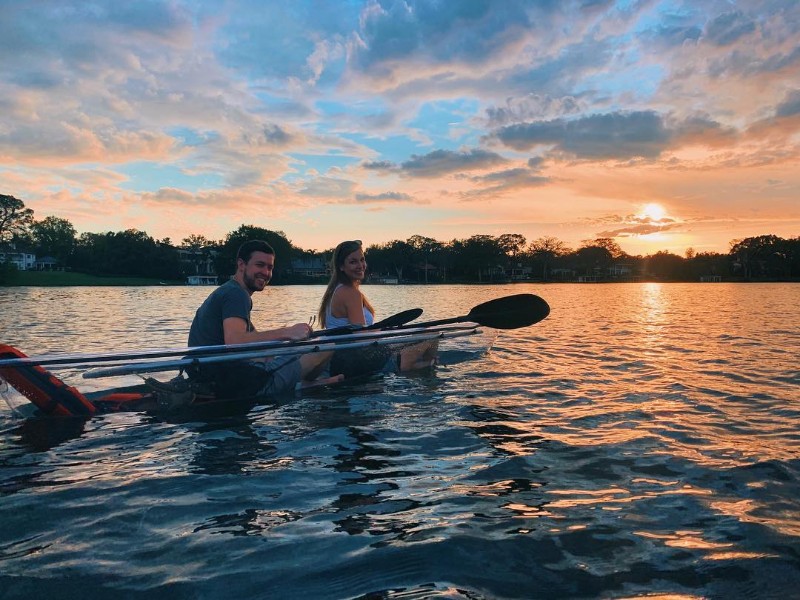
(355, 265)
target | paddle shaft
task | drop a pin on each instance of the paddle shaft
(392, 321)
(254, 349)
(178, 363)
(509, 312)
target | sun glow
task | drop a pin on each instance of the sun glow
(653, 212)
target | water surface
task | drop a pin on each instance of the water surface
(642, 441)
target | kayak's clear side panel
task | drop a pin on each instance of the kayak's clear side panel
(19, 405)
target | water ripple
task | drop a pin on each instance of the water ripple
(643, 441)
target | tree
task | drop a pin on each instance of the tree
(702, 264)
(793, 256)
(195, 242)
(760, 256)
(54, 236)
(511, 244)
(15, 219)
(424, 250)
(609, 244)
(129, 253)
(479, 254)
(593, 260)
(225, 261)
(199, 249)
(665, 265)
(545, 250)
(396, 255)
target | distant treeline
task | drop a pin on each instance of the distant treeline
(419, 259)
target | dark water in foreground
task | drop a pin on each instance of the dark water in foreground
(643, 441)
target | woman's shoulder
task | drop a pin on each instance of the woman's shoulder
(346, 293)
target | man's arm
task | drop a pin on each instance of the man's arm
(235, 331)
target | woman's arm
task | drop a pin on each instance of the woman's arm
(347, 302)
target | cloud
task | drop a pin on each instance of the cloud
(672, 34)
(635, 225)
(67, 143)
(385, 197)
(637, 230)
(702, 130)
(781, 126)
(177, 196)
(568, 106)
(271, 135)
(531, 107)
(616, 136)
(439, 163)
(398, 31)
(443, 162)
(500, 182)
(380, 165)
(728, 28)
(328, 187)
(609, 136)
(790, 106)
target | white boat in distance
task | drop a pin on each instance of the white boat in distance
(201, 280)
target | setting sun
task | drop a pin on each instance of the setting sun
(653, 212)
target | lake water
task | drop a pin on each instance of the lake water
(643, 441)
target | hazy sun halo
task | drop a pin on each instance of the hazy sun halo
(653, 211)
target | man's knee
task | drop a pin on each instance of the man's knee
(311, 364)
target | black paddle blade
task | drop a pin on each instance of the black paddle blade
(400, 318)
(510, 312)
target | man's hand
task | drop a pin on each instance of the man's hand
(300, 331)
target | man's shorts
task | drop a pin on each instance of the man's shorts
(284, 373)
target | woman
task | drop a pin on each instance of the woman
(343, 303)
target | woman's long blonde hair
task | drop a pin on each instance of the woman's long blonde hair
(338, 276)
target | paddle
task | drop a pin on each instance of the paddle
(509, 312)
(392, 321)
(397, 337)
(397, 320)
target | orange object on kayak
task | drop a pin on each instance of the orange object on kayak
(51, 395)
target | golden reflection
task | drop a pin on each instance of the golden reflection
(695, 543)
(663, 597)
(608, 499)
(693, 540)
(501, 488)
(740, 555)
(528, 512)
(654, 307)
(648, 481)
(785, 522)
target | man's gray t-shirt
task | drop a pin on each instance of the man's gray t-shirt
(228, 300)
(237, 379)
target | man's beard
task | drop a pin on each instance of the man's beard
(250, 283)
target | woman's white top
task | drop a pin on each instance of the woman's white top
(331, 321)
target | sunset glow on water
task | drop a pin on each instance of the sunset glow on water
(642, 441)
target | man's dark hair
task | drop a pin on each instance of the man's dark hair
(246, 250)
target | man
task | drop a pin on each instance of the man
(224, 318)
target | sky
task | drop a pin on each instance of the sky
(663, 125)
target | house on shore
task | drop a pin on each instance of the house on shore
(23, 261)
(315, 267)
